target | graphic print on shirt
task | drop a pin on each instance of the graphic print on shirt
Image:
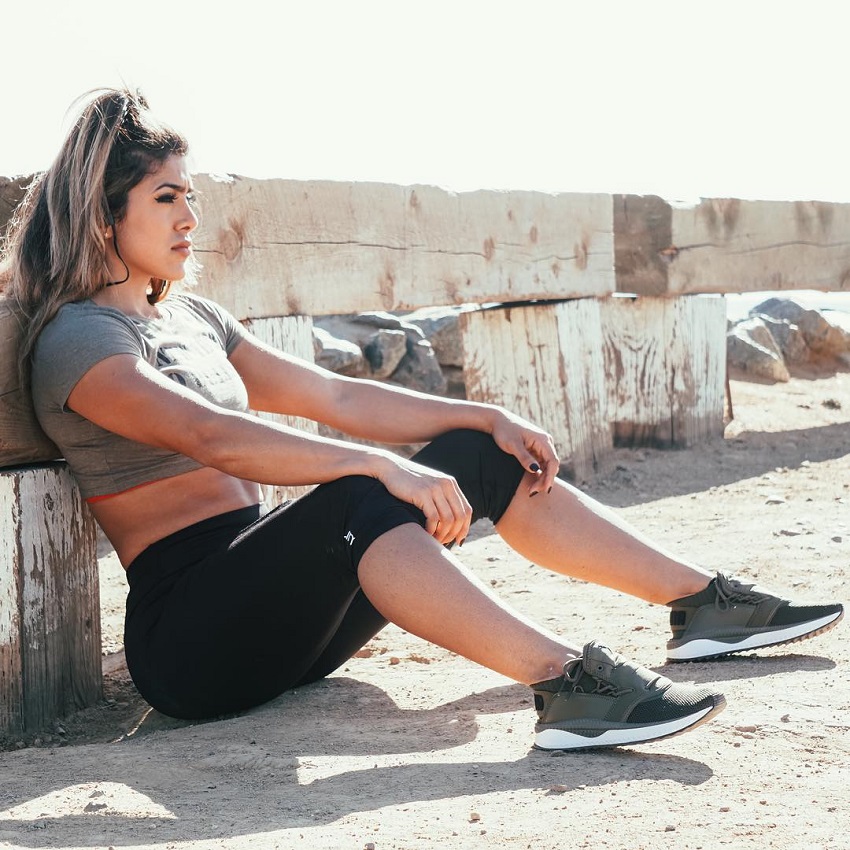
(194, 358)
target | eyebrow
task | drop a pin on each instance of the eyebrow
(178, 187)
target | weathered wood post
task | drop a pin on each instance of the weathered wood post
(294, 335)
(545, 361)
(50, 644)
(50, 647)
(665, 369)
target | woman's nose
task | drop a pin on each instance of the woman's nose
(189, 220)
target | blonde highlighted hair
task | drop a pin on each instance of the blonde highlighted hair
(55, 248)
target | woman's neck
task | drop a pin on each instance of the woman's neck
(129, 299)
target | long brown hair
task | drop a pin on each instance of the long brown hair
(55, 248)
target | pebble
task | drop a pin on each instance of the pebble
(474, 817)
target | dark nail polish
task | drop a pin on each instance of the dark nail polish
(535, 467)
(549, 490)
(461, 542)
(533, 493)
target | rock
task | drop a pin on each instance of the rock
(757, 330)
(384, 350)
(822, 336)
(419, 369)
(747, 353)
(789, 338)
(441, 327)
(338, 355)
(360, 327)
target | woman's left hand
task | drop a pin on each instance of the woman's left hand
(531, 446)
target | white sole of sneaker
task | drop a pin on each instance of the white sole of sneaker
(704, 648)
(560, 739)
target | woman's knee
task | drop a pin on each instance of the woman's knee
(487, 475)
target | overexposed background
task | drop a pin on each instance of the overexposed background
(681, 99)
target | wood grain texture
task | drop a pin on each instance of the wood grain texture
(11, 694)
(52, 643)
(544, 361)
(730, 245)
(665, 367)
(281, 247)
(294, 335)
(12, 191)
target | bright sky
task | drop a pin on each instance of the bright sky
(682, 99)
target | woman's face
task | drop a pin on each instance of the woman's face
(154, 236)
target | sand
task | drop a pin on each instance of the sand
(411, 746)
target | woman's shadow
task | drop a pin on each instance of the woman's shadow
(313, 756)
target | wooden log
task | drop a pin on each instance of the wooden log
(280, 247)
(729, 245)
(21, 438)
(294, 335)
(50, 642)
(12, 191)
(665, 367)
(544, 361)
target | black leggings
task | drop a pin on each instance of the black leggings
(232, 611)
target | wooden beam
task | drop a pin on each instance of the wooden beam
(282, 247)
(730, 245)
(12, 191)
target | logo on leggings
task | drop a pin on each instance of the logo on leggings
(349, 538)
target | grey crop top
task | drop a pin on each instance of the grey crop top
(189, 343)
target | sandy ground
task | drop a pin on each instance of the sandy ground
(413, 747)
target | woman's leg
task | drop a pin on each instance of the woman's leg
(421, 587)
(572, 534)
(565, 530)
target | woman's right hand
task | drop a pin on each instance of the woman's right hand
(448, 514)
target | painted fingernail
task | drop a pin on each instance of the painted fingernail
(461, 542)
(534, 467)
(549, 490)
(533, 493)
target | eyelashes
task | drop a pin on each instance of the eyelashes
(171, 198)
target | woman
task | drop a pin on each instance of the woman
(148, 393)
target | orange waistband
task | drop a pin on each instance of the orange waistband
(91, 499)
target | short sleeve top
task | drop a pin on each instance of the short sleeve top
(189, 343)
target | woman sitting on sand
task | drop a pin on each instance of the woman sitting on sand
(147, 394)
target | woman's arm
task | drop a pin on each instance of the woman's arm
(127, 396)
(371, 410)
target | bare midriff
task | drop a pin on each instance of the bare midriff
(138, 517)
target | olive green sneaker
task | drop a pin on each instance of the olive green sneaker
(603, 700)
(729, 616)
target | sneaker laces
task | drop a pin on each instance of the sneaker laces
(730, 591)
(574, 670)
